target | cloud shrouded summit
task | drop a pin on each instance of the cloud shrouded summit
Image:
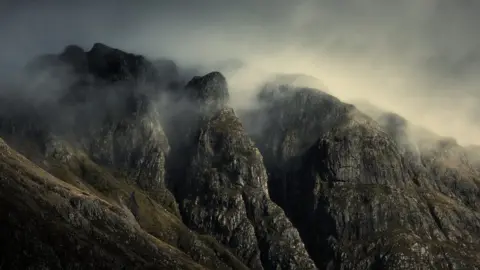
(417, 58)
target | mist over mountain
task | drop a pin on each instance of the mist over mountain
(297, 179)
(414, 58)
(253, 135)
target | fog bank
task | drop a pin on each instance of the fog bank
(417, 58)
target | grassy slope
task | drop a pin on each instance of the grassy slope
(107, 212)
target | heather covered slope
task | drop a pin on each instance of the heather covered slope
(162, 172)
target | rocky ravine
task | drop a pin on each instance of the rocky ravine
(123, 165)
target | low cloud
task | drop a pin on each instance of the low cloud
(416, 58)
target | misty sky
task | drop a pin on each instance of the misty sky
(419, 58)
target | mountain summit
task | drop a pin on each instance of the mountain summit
(110, 160)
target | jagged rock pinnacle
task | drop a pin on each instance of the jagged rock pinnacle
(210, 90)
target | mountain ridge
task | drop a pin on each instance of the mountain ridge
(303, 181)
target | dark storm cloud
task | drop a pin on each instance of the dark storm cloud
(417, 57)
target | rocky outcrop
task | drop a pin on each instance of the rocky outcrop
(113, 64)
(76, 57)
(293, 120)
(136, 145)
(286, 125)
(116, 123)
(224, 190)
(209, 92)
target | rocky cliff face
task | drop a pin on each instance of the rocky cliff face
(124, 166)
(224, 191)
(357, 195)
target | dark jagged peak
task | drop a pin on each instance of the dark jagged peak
(114, 64)
(101, 48)
(72, 51)
(105, 73)
(81, 74)
(291, 119)
(201, 97)
(76, 57)
(210, 90)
